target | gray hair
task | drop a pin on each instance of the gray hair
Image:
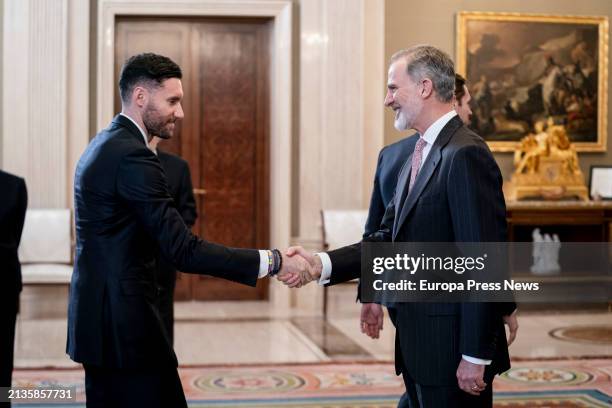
(425, 61)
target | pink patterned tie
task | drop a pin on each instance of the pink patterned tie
(417, 156)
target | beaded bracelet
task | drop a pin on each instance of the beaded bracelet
(270, 262)
(275, 258)
(279, 260)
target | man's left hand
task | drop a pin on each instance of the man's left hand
(470, 377)
(372, 317)
(512, 323)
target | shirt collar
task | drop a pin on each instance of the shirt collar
(144, 135)
(432, 132)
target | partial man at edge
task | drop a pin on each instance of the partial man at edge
(12, 216)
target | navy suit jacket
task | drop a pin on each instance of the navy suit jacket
(457, 197)
(391, 159)
(181, 190)
(123, 213)
(179, 185)
(12, 216)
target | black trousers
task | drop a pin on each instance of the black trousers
(8, 316)
(404, 399)
(165, 302)
(422, 396)
(127, 388)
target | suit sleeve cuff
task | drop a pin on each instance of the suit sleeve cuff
(475, 360)
(263, 264)
(327, 268)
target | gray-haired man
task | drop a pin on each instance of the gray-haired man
(449, 191)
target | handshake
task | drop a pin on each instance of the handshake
(299, 267)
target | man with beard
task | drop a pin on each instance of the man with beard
(448, 191)
(390, 161)
(123, 213)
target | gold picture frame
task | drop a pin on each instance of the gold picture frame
(525, 68)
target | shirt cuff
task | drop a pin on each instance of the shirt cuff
(263, 263)
(475, 360)
(327, 268)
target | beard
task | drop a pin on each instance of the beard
(157, 125)
(405, 120)
(401, 122)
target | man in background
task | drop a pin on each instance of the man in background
(181, 191)
(462, 100)
(12, 215)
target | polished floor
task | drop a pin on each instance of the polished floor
(240, 333)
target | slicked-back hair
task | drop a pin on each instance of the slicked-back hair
(459, 88)
(427, 62)
(146, 69)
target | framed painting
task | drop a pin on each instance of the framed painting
(526, 68)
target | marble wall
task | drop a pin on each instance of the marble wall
(46, 94)
(43, 102)
(340, 114)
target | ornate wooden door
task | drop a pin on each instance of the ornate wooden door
(224, 135)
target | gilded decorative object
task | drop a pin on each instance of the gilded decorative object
(523, 68)
(546, 165)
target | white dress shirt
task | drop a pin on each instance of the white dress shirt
(430, 136)
(263, 255)
(432, 132)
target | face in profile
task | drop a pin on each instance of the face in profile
(403, 96)
(462, 107)
(164, 108)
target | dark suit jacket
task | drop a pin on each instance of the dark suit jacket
(457, 197)
(123, 212)
(179, 185)
(12, 215)
(181, 190)
(391, 159)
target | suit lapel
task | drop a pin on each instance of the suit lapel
(427, 170)
(423, 176)
(402, 182)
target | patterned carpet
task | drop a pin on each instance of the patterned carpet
(551, 384)
(599, 334)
